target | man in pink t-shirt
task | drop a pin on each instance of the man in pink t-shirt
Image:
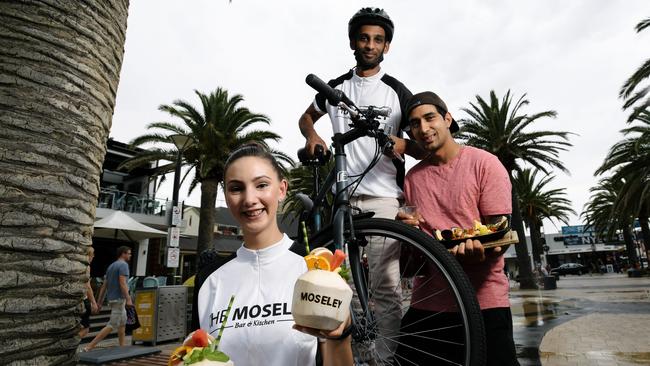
(452, 187)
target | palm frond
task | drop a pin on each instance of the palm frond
(645, 23)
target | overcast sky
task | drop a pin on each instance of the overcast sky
(568, 56)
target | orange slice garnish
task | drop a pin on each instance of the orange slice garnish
(323, 252)
(317, 262)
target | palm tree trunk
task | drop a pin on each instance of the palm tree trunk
(206, 215)
(526, 280)
(630, 246)
(645, 229)
(59, 69)
(535, 240)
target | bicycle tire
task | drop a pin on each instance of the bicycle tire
(436, 260)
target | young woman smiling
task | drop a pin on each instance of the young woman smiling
(261, 276)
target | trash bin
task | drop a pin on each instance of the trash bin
(162, 313)
(549, 283)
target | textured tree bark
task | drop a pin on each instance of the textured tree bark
(645, 229)
(207, 220)
(629, 246)
(59, 70)
(535, 241)
(526, 280)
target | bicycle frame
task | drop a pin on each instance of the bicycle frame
(341, 212)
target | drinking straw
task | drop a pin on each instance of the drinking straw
(225, 319)
(304, 235)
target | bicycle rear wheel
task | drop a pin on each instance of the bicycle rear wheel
(441, 321)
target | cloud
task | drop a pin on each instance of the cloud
(568, 56)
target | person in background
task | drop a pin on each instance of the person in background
(90, 305)
(116, 290)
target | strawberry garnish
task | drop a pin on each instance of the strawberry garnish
(337, 259)
(200, 338)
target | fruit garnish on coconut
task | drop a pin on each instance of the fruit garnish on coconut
(201, 349)
(321, 297)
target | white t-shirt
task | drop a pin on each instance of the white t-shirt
(259, 327)
(379, 90)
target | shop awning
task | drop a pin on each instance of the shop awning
(121, 226)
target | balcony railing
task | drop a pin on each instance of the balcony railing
(131, 202)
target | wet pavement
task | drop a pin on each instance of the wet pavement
(570, 325)
(588, 320)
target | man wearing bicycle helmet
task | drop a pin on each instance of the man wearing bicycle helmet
(453, 186)
(370, 32)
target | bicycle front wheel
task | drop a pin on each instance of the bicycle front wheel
(413, 303)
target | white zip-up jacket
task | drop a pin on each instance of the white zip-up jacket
(380, 90)
(259, 327)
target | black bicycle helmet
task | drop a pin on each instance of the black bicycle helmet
(371, 16)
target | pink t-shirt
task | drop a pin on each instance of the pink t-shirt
(472, 185)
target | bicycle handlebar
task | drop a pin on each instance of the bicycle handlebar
(334, 96)
(321, 156)
(363, 119)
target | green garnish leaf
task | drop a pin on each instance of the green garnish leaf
(344, 272)
(217, 356)
(207, 353)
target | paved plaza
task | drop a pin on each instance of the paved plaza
(600, 320)
(588, 320)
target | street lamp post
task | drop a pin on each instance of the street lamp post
(173, 252)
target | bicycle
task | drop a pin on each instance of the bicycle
(423, 262)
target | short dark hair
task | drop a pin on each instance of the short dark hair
(441, 111)
(256, 150)
(123, 249)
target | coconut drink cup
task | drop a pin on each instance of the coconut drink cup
(321, 300)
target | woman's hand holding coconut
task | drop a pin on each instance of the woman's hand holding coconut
(321, 303)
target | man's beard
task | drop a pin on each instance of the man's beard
(367, 65)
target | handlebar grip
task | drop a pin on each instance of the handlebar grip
(303, 155)
(318, 151)
(333, 96)
(321, 154)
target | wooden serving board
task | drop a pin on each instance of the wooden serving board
(510, 238)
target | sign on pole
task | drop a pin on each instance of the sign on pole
(176, 216)
(174, 235)
(173, 257)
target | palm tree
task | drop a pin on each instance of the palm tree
(634, 81)
(537, 203)
(600, 214)
(217, 129)
(629, 160)
(59, 65)
(499, 128)
(301, 180)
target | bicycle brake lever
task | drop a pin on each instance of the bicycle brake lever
(388, 148)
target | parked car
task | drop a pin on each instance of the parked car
(570, 268)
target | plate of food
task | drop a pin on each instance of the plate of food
(484, 233)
